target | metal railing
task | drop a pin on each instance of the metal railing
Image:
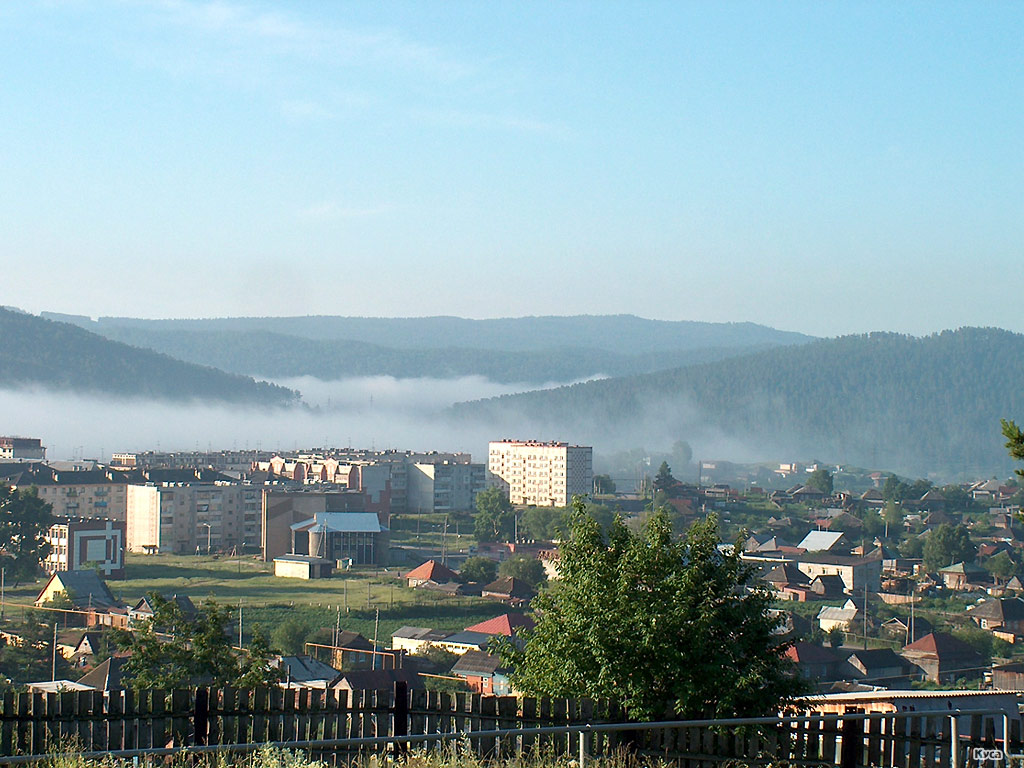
(852, 740)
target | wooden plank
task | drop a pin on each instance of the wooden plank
(180, 716)
(873, 736)
(7, 741)
(131, 721)
(914, 742)
(23, 729)
(115, 710)
(288, 715)
(829, 734)
(929, 736)
(529, 720)
(52, 707)
(259, 708)
(38, 720)
(275, 711)
(158, 712)
(100, 721)
(899, 742)
(489, 721)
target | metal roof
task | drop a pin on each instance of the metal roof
(343, 522)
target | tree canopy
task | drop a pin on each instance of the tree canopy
(479, 569)
(24, 521)
(524, 568)
(170, 650)
(495, 519)
(1014, 442)
(663, 624)
(822, 480)
(946, 545)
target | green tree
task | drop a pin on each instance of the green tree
(1014, 442)
(946, 545)
(524, 568)
(1001, 566)
(662, 624)
(495, 519)
(32, 658)
(290, 635)
(682, 453)
(24, 521)
(822, 480)
(664, 482)
(894, 489)
(892, 515)
(479, 569)
(170, 651)
(603, 484)
(255, 667)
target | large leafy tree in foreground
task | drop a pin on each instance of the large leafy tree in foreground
(1014, 442)
(24, 520)
(664, 625)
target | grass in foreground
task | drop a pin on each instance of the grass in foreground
(453, 756)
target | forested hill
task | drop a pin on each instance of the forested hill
(622, 334)
(40, 353)
(260, 353)
(533, 350)
(915, 405)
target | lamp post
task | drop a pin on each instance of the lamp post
(209, 535)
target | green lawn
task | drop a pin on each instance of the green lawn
(267, 600)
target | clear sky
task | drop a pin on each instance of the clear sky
(822, 167)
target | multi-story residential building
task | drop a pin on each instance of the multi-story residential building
(444, 486)
(22, 449)
(192, 517)
(86, 544)
(541, 474)
(94, 493)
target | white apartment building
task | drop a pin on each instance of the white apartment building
(541, 474)
(186, 518)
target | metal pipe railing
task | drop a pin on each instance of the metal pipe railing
(582, 730)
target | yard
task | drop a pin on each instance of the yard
(353, 596)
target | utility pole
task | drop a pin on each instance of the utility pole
(239, 625)
(376, 631)
(865, 615)
(3, 572)
(345, 593)
(53, 667)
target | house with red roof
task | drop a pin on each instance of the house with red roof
(942, 657)
(506, 625)
(430, 571)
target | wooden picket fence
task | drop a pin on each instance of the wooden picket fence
(89, 721)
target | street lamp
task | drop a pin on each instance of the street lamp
(209, 534)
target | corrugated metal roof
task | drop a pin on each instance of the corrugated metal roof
(343, 522)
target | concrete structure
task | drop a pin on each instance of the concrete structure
(186, 518)
(303, 567)
(337, 536)
(22, 449)
(444, 486)
(541, 474)
(87, 544)
(282, 508)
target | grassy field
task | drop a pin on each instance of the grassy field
(266, 600)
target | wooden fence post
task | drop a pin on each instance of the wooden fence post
(201, 716)
(400, 718)
(853, 741)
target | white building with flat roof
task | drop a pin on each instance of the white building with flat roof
(541, 474)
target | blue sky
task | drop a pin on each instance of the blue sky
(822, 167)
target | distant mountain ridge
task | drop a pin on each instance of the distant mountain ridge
(36, 352)
(882, 400)
(533, 349)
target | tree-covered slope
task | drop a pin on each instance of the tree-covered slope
(533, 350)
(41, 353)
(622, 334)
(912, 404)
(261, 353)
